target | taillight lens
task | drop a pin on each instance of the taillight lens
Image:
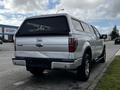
(73, 43)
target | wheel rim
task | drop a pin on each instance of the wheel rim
(87, 67)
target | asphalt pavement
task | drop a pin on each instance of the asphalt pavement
(17, 78)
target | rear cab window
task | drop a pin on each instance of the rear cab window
(54, 25)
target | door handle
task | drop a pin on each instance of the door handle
(39, 45)
(19, 44)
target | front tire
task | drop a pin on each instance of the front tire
(83, 72)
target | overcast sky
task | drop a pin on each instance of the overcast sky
(104, 14)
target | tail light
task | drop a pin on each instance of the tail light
(73, 43)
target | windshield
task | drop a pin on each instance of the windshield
(44, 26)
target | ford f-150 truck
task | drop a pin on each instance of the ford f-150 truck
(58, 41)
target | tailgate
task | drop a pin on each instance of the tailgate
(42, 47)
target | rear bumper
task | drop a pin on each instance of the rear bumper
(48, 63)
(66, 65)
(20, 62)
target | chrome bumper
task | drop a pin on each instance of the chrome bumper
(19, 62)
(54, 65)
(66, 65)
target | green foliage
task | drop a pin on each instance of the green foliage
(111, 79)
(115, 33)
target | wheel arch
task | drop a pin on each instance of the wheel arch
(87, 49)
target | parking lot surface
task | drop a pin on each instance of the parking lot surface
(17, 78)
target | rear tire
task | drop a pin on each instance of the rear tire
(83, 72)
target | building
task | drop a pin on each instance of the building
(7, 32)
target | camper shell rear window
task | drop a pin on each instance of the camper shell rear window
(55, 25)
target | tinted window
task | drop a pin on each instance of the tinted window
(77, 25)
(86, 27)
(44, 26)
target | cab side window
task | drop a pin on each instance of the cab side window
(91, 29)
(77, 25)
(96, 32)
(86, 27)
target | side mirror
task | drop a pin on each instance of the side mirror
(103, 36)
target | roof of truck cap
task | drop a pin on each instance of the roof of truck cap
(52, 15)
(48, 15)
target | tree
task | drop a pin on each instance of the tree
(114, 33)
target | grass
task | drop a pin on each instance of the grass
(111, 79)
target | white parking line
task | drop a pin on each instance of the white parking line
(20, 83)
(118, 53)
(25, 81)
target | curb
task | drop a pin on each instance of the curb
(99, 76)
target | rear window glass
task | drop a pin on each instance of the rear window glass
(44, 26)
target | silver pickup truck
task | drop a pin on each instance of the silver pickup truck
(58, 41)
